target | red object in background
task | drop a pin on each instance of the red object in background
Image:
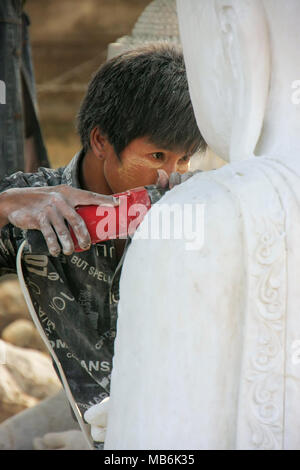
(106, 223)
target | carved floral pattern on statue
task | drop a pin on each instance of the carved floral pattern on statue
(266, 368)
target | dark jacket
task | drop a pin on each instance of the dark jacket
(75, 297)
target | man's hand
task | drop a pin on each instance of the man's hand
(164, 181)
(46, 209)
(96, 416)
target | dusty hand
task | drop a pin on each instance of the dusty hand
(164, 181)
(47, 208)
(67, 440)
(96, 416)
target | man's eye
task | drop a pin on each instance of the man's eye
(158, 155)
(186, 158)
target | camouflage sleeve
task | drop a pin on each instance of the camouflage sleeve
(11, 237)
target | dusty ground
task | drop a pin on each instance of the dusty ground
(69, 41)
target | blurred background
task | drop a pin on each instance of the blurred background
(69, 40)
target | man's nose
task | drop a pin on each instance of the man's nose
(170, 167)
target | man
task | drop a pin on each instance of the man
(135, 122)
(21, 142)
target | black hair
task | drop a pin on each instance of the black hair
(141, 93)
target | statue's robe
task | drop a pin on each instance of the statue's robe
(208, 340)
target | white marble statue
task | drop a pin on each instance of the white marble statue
(207, 349)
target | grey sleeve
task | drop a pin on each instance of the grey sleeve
(11, 237)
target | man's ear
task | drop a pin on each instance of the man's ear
(98, 143)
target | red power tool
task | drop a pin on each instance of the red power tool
(104, 222)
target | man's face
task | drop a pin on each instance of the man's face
(139, 163)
